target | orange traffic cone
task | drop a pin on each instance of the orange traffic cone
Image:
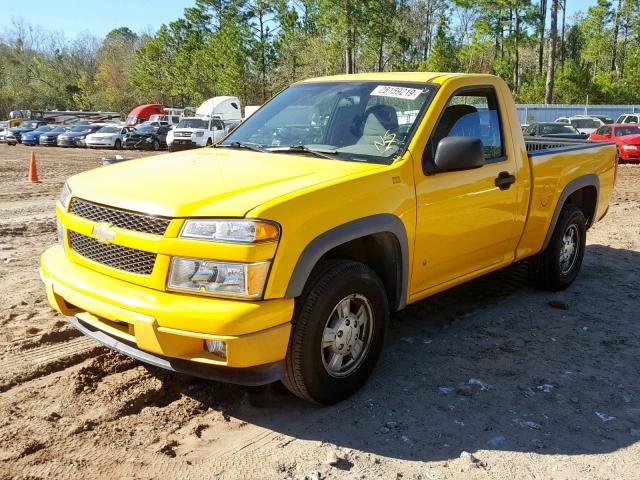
(33, 170)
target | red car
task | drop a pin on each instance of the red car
(626, 136)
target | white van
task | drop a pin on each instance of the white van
(207, 126)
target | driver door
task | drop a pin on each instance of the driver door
(465, 222)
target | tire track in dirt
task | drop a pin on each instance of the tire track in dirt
(38, 362)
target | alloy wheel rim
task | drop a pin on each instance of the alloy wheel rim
(347, 335)
(569, 249)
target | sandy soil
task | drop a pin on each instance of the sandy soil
(530, 384)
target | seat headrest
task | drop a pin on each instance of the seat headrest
(379, 119)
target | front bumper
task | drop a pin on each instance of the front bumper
(142, 323)
(630, 155)
(182, 144)
(70, 143)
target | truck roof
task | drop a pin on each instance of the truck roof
(420, 77)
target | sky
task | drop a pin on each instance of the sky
(99, 17)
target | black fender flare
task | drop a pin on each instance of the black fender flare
(589, 180)
(380, 223)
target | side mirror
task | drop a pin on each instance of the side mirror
(458, 153)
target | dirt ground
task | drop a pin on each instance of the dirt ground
(531, 384)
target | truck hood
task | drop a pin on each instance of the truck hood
(207, 182)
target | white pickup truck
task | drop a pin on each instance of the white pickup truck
(207, 126)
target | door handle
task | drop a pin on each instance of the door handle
(504, 180)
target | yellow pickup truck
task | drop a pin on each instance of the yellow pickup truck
(280, 253)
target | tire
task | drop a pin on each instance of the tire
(118, 145)
(209, 142)
(155, 146)
(309, 371)
(170, 148)
(555, 268)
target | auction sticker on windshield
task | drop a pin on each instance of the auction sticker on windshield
(396, 92)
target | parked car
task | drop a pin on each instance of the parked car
(165, 119)
(629, 118)
(50, 138)
(109, 136)
(77, 135)
(552, 129)
(147, 137)
(582, 124)
(194, 132)
(626, 137)
(25, 127)
(4, 129)
(280, 254)
(603, 118)
(142, 113)
(33, 138)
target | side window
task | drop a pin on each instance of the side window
(632, 119)
(601, 131)
(471, 113)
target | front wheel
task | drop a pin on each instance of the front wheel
(338, 332)
(155, 145)
(118, 145)
(558, 265)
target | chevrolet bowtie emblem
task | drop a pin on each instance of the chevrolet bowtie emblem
(103, 233)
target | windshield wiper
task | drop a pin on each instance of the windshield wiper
(330, 154)
(251, 146)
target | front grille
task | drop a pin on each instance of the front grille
(115, 256)
(137, 222)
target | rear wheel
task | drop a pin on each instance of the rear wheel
(558, 265)
(338, 333)
(209, 142)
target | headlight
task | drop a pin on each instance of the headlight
(65, 196)
(199, 134)
(630, 147)
(234, 231)
(149, 140)
(210, 277)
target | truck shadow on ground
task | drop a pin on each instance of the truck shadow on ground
(492, 364)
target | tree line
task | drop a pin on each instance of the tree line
(254, 48)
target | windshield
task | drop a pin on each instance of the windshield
(58, 128)
(146, 129)
(192, 123)
(585, 123)
(364, 121)
(81, 128)
(551, 128)
(32, 124)
(622, 131)
(109, 130)
(44, 128)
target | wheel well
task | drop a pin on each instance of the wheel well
(586, 199)
(380, 252)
